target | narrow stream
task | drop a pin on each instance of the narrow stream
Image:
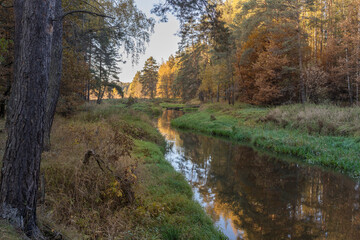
(253, 196)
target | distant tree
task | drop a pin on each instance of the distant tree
(135, 89)
(166, 78)
(188, 79)
(149, 77)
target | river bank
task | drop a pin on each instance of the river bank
(321, 135)
(106, 177)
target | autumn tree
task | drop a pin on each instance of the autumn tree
(135, 89)
(167, 73)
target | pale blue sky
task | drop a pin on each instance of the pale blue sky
(163, 42)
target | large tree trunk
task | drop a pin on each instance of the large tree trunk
(55, 74)
(21, 162)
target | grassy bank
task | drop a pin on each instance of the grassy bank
(106, 178)
(321, 135)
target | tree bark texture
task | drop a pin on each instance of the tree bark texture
(21, 161)
(54, 75)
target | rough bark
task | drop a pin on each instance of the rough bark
(21, 162)
(54, 75)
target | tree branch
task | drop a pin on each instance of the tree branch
(86, 12)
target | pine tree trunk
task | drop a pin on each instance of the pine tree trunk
(21, 162)
(88, 80)
(348, 77)
(302, 83)
(55, 74)
(99, 99)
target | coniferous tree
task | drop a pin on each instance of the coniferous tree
(149, 78)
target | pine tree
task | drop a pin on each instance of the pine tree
(149, 78)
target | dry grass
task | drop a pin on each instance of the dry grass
(94, 199)
(317, 119)
(94, 196)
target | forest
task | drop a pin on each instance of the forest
(264, 53)
(250, 130)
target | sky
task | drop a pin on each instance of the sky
(163, 42)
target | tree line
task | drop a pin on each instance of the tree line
(265, 52)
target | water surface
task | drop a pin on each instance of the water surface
(252, 196)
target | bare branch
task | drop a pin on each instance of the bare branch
(86, 12)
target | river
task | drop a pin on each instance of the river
(251, 195)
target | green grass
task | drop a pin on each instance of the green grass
(172, 105)
(147, 107)
(245, 124)
(169, 198)
(184, 107)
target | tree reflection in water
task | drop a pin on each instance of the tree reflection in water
(253, 196)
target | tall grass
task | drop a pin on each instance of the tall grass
(317, 119)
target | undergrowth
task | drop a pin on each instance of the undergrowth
(106, 178)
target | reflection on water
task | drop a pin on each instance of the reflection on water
(252, 196)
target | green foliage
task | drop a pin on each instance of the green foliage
(106, 42)
(188, 81)
(149, 77)
(147, 107)
(130, 101)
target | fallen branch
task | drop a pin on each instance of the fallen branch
(125, 183)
